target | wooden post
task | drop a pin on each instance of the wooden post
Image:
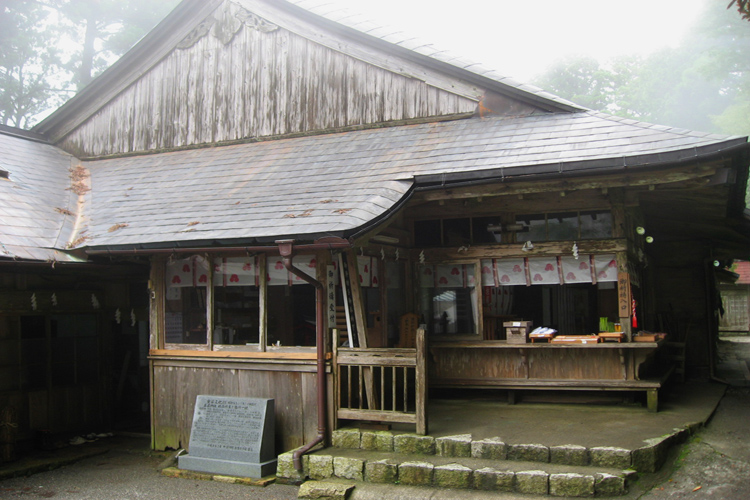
(262, 303)
(210, 302)
(360, 319)
(652, 399)
(623, 303)
(336, 398)
(157, 290)
(421, 383)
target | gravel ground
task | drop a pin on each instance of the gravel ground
(126, 474)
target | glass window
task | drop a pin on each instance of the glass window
(291, 315)
(186, 316)
(449, 299)
(456, 232)
(486, 230)
(236, 314)
(185, 304)
(595, 225)
(562, 226)
(236, 301)
(537, 228)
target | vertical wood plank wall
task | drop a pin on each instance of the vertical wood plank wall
(177, 383)
(258, 84)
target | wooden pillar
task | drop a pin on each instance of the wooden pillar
(262, 303)
(156, 289)
(624, 296)
(421, 382)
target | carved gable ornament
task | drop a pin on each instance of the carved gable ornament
(225, 23)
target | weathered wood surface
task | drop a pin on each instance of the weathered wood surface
(396, 381)
(259, 83)
(551, 248)
(528, 362)
(175, 389)
(234, 354)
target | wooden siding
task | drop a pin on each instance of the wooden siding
(177, 383)
(736, 304)
(258, 83)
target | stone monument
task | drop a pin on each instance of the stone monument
(232, 436)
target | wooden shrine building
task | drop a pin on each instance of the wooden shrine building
(279, 202)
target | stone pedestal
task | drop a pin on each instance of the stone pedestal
(232, 436)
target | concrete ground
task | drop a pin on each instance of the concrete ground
(596, 420)
(715, 463)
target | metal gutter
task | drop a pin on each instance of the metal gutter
(582, 167)
(286, 250)
(333, 243)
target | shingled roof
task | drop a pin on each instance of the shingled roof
(338, 184)
(36, 210)
(335, 184)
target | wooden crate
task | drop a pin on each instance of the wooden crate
(517, 332)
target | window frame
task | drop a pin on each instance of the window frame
(209, 346)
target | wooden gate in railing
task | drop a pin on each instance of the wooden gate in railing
(382, 385)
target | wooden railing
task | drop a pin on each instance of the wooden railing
(382, 385)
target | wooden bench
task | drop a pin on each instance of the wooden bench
(649, 386)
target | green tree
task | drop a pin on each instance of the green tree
(28, 64)
(703, 84)
(104, 29)
(53, 47)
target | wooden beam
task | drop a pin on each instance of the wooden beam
(235, 354)
(552, 248)
(630, 179)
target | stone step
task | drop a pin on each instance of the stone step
(648, 458)
(458, 473)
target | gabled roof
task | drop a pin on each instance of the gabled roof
(338, 184)
(36, 210)
(380, 47)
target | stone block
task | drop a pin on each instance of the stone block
(414, 444)
(381, 471)
(569, 454)
(571, 485)
(651, 457)
(454, 476)
(493, 480)
(607, 485)
(609, 456)
(533, 482)
(324, 490)
(320, 466)
(491, 449)
(454, 446)
(285, 467)
(349, 468)
(377, 441)
(346, 438)
(415, 473)
(528, 452)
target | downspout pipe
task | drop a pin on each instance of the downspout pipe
(286, 250)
